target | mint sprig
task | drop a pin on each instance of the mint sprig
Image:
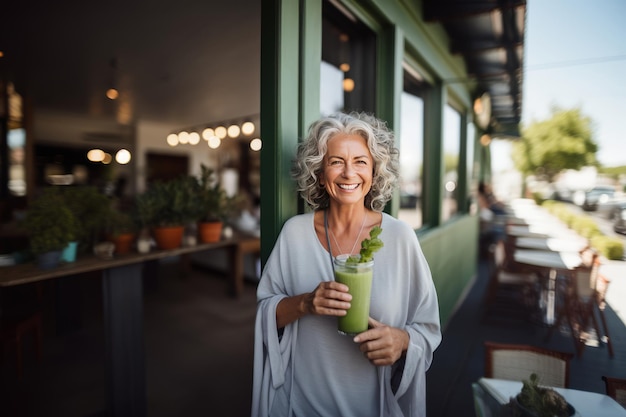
(368, 247)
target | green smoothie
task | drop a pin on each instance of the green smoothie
(358, 278)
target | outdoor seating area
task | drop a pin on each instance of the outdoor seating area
(538, 305)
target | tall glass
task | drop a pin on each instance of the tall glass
(358, 278)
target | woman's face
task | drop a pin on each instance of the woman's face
(348, 169)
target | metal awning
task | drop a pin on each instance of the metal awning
(489, 34)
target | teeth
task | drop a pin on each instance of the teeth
(348, 187)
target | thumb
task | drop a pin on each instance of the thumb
(374, 323)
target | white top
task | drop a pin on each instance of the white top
(312, 370)
(586, 404)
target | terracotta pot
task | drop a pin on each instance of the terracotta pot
(210, 231)
(123, 243)
(168, 237)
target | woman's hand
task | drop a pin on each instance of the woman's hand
(330, 298)
(381, 344)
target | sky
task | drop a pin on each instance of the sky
(575, 57)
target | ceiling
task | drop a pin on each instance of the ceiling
(196, 61)
(184, 62)
(489, 34)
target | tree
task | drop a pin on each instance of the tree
(565, 141)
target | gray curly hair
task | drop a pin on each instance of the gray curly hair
(310, 157)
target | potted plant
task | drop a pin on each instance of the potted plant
(165, 208)
(51, 226)
(212, 206)
(91, 208)
(121, 230)
(537, 401)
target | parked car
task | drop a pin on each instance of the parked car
(619, 221)
(611, 207)
(599, 193)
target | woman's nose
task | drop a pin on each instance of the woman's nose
(348, 170)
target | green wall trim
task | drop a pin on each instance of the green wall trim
(452, 259)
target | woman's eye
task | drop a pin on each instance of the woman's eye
(336, 162)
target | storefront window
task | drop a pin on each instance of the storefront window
(451, 150)
(411, 145)
(347, 77)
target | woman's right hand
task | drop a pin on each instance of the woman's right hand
(330, 298)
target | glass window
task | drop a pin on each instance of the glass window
(472, 167)
(451, 149)
(347, 75)
(411, 146)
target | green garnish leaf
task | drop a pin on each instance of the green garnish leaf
(368, 247)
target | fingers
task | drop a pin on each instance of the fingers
(382, 345)
(329, 298)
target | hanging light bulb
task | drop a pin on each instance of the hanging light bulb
(247, 128)
(183, 137)
(172, 139)
(214, 142)
(233, 131)
(207, 133)
(194, 138)
(221, 132)
(123, 156)
(256, 144)
(112, 93)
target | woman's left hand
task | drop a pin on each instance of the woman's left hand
(381, 344)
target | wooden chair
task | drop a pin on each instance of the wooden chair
(616, 389)
(584, 294)
(511, 290)
(518, 362)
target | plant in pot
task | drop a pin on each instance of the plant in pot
(537, 401)
(212, 204)
(91, 208)
(121, 230)
(51, 226)
(165, 208)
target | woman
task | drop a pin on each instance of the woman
(346, 170)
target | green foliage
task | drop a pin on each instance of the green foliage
(212, 201)
(118, 223)
(544, 401)
(50, 223)
(564, 141)
(170, 203)
(368, 247)
(90, 207)
(610, 247)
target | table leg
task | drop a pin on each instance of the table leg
(237, 268)
(550, 305)
(123, 325)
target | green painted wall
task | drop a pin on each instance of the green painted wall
(452, 253)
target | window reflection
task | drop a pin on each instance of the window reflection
(451, 150)
(411, 145)
(347, 73)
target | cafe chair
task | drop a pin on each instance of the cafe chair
(584, 295)
(511, 291)
(517, 362)
(616, 389)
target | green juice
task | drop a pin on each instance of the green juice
(359, 281)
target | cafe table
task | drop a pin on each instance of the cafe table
(492, 394)
(547, 264)
(551, 244)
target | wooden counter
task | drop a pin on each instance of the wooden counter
(122, 299)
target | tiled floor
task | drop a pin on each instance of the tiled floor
(199, 343)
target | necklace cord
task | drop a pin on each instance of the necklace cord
(355, 241)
